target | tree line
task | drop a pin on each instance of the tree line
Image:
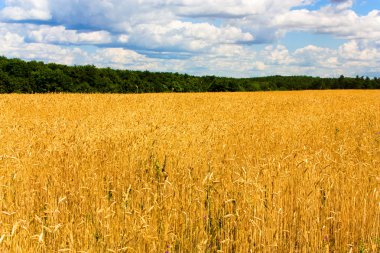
(18, 76)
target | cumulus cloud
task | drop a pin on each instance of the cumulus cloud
(60, 35)
(316, 56)
(186, 35)
(277, 55)
(329, 20)
(13, 45)
(26, 10)
(264, 20)
(360, 51)
(195, 36)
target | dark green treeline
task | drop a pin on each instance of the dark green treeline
(18, 76)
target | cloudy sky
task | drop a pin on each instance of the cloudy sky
(238, 38)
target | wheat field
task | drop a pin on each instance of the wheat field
(226, 172)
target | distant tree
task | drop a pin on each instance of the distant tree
(316, 84)
(17, 68)
(367, 83)
(47, 80)
(4, 83)
(27, 77)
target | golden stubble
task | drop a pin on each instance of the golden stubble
(227, 172)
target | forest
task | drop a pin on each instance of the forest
(18, 76)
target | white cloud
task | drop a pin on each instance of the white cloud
(235, 8)
(185, 35)
(59, 35)
(196, 36)
(277, 55)
(25, 10)
(343, 23)
(361, 53)
(121, 58)
(316, 56)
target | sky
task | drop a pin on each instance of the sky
(237, 38)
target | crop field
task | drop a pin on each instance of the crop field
(215, 172)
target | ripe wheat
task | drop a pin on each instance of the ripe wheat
(241, 172)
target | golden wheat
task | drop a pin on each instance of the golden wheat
(241, 172)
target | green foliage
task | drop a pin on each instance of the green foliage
(17, 76)
(4, 82)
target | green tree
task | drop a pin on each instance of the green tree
(4, 82)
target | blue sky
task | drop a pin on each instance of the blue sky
(239, 38)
